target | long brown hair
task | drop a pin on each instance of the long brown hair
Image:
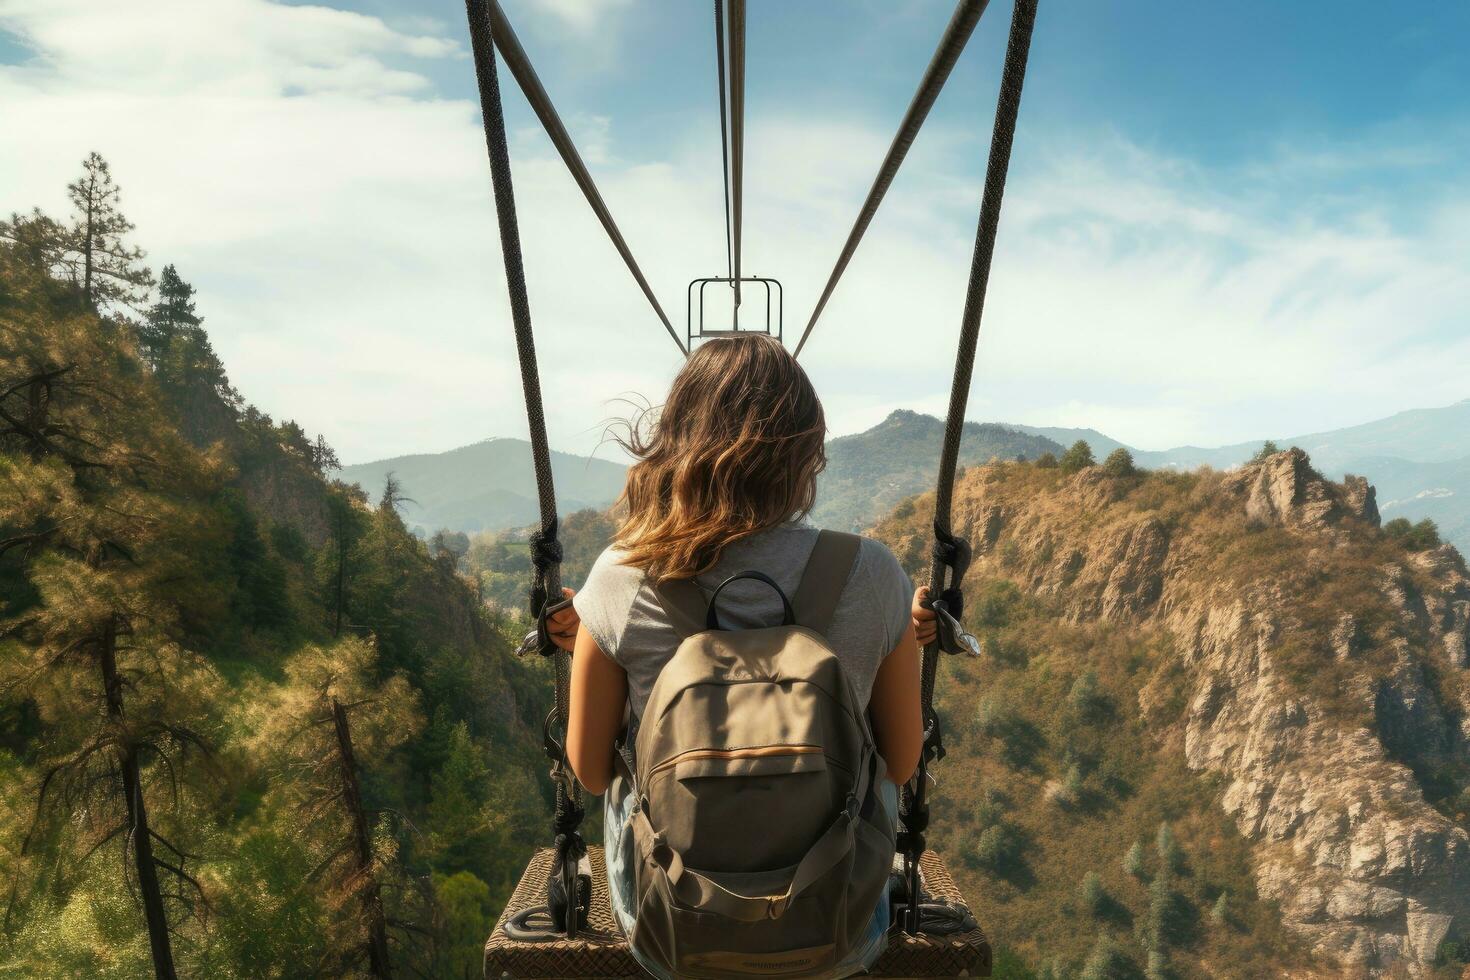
(736, 448)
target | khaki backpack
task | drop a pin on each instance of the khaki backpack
(762, 843)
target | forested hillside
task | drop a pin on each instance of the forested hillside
(868, 473)
(252, 727)
(489, 486)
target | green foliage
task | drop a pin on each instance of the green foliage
(467, 912)
(1046, 461)
(1220, 911)
(1093, 896)
(1422, 536)
(1119, 463)
(1171, 856)
(1171, 917)
(1077, 457)
(184, 597)
(999, 849)
(1108, 961)
(1133, 861)
(1086, 698)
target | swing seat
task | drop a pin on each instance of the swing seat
(601, 951)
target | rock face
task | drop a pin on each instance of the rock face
(1327, 673)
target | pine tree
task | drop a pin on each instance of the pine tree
(90, 506)
(1133, 861)
(1093, 896)
(1078, 457)
(109, 271)
(172, 316)
(1170, 855)
(314, 735)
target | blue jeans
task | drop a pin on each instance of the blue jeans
(619, 853)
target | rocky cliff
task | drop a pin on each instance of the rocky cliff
(1317, 674)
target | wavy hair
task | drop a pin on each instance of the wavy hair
(735, 448)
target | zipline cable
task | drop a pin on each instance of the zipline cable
(737, 135)
(951, 554)
(956, 35)
(525, 75)
(724, 130)
(545, 549)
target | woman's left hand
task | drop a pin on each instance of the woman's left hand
(563, 625)
(926, 621)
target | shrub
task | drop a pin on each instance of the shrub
(1086, 697)
(1046, 461)
(1268, 449)
(1079, 457)
(995, 605)
(1220, 912)
(1413, 537)
(1069, 794)
(1133, 861)
(1119, 463)
(1093, 896)
(1107, 961)
(1158, 966)
(1170, 856)
(1170, 916)
(998, 849)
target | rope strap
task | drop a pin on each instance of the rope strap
(487, 29)
(950, 553)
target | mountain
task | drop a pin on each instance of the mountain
(1419, 460)
(869, 473)
(1221, 726)
(489, 485)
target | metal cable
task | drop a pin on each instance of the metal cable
(488, 14)
(956, 35)
(914, 807)
(546, 553)
(1008, 106)
(737, 135)
(724, 129)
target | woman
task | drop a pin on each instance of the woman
(721, 481)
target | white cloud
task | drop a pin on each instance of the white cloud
(582, 16)
(337, 218)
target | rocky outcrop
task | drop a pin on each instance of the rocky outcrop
(1323, 675)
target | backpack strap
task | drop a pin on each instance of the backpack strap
(684, 603)
(824, 579)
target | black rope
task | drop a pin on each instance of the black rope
(724, 130)
(737, 137)
(546, 552)
(951, 554)
(490, 16)
(956, 35)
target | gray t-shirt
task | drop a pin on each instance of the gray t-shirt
(619, 609)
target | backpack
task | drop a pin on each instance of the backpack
(762, 845)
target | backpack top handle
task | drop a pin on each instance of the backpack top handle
(712, 621)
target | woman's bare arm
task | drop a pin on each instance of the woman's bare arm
(898, 725)
(598, 692)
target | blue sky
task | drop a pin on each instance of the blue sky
(1225, 221)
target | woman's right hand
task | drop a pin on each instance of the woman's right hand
(926, 621)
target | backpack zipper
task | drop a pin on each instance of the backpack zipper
(757, 752)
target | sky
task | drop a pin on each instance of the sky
(1223, 222)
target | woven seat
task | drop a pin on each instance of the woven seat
(600, 950)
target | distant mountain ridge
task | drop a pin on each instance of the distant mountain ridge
(488, 485)
(1419, 460)
(870, 472)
